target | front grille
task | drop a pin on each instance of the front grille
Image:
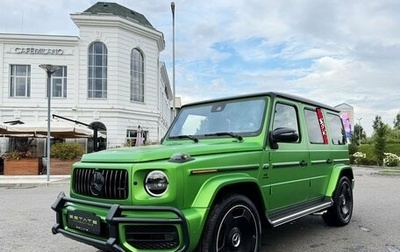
(101, 183)
(153, 237)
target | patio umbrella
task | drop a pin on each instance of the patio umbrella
(58, 129)
(3, 128)
(6, 130)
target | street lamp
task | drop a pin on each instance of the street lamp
(359, 130)
(50, 69)
(173, 57)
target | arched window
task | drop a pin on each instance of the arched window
(97, 70)
(137, 76)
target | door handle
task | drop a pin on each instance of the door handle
(303, 163)
(329, 161)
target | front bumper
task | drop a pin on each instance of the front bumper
(110, 239)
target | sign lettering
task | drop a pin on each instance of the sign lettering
(42, 51)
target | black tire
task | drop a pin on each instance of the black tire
(341, 211)
(233, 225)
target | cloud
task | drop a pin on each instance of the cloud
(332, 51)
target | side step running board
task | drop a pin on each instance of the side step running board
(293, 216)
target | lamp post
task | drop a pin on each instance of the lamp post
(50, 69)
(173, 58)
(359, 130)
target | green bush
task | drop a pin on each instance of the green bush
(370, 158)
(359, 157)
(391, 160)
(66, 151)
(393, 148)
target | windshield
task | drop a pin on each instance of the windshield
(241, 117)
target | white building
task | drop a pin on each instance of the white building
(110, 75)
(347, 115)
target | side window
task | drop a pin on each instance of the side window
(285, 116)
(313, 127)
(336, 130)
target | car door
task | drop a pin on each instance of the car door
(337, 138)
(321, 162)
(288, 164)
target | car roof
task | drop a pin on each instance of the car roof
(273, 95)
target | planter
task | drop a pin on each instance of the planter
(61, 167)
(23, 166)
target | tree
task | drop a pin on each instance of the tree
(393, 136)
(358, 134)
(396, 122)
(379, 138)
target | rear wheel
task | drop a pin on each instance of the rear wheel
(341, 211)
(233, 225)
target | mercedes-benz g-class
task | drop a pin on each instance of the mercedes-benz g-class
(225, 170)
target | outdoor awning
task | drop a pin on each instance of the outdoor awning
(58, 129)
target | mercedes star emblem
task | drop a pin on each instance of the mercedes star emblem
(96, 183)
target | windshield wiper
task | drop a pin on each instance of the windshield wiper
(185, 136)
(240, 138)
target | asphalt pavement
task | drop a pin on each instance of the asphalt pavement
(26, 218)
(15, 180)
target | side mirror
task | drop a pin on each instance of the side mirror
(283, 134)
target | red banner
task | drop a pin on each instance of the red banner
(322, 125)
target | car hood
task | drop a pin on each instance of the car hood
(163, 152)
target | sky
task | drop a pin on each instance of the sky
(330, 51)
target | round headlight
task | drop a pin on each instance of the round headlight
(156, 183)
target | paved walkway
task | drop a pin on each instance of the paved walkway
(32, 179)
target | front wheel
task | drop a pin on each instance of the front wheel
(341, 211)
(233, 225)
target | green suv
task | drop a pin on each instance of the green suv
(225, 170)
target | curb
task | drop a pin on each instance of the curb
(15, 180)
(389, 172)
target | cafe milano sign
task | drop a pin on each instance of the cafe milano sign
(42, 51)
